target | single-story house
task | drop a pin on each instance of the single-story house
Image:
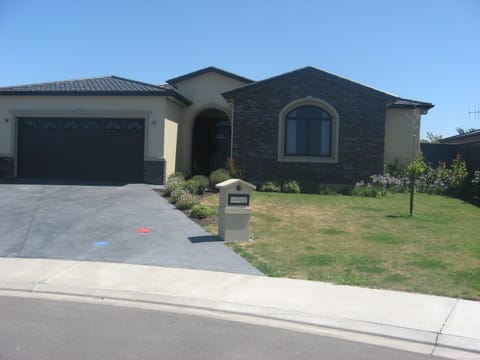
(466, 145)
(306, 123)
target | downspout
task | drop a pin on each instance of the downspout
(232, 107)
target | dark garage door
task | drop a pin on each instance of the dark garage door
(81, 149)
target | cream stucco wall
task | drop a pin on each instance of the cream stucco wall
(174, 117)
(205, 92)
(150, 108)
(402, 135)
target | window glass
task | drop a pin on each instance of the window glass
(308, 132)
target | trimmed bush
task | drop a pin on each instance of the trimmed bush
(176, 175)
(218, 176)
(186, 201)
(202, 182)
(202, 212)
(177, 193)
(270, 186)
(176, 183)
(291, 186)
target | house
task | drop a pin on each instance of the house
(466, 145)
(307, 123)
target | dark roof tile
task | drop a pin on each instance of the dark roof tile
(106, 86)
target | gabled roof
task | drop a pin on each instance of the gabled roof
(307, 70)
(207, 70)
(395, 100)
(102, 86)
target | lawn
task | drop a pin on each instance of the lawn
(370, 242)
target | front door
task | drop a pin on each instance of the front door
(211, 145)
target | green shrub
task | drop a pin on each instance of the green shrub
(202, 181)
(175, 184)
(270, 186)
(327, 190)
(193, 187)
(202, 212)
(218, 176)
(177, 175)
(291, 186)
(476, 185)
(186, 201)
(177, 193)
(368, 190)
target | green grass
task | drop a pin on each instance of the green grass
(368, 242)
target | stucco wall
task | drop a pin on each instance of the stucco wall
(205, 92)
(152, 109)
(174, 117)
(402, 135)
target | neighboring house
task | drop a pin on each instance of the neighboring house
(307, 123)
(466, 145)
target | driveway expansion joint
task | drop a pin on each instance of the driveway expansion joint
(443, 326)
(37, 206)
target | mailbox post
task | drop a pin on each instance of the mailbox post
(234, 210)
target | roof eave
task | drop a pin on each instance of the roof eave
(173, 94)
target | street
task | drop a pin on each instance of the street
(32, 328)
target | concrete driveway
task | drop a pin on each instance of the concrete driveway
(100, 223)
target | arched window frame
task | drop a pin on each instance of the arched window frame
(309, 101)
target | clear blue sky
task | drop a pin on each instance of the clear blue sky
(421, 49)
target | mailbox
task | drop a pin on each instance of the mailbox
(234, 210)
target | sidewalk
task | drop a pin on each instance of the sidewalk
(422, 323)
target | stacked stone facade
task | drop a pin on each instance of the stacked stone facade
(362, 115)
(154, 172)
(7, 167)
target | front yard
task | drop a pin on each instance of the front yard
(369, 242)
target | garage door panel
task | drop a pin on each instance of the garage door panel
(85, 149)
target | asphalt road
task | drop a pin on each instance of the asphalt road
(32, 328)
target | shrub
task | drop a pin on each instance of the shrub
(202, 181)
(291, 186)
(476, 185)
(218, 176)
(367, 190)
(270, 186)
(175, 183)
(186, 201)
(202, 212)
(327, 190)
(177, 193)
(177, 175)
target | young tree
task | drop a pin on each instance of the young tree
(432, 138)
(415, 169)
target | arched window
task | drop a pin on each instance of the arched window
(308, 132)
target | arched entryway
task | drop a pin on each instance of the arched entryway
(211, 141)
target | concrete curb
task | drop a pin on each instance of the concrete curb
(421, 323)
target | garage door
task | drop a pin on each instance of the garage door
(81, 149)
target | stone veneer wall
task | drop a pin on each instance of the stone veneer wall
(7, 167)
(362, 115)
(154, 172)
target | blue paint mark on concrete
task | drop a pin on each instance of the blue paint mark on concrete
(101, 243)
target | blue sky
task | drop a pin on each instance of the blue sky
(424, 49)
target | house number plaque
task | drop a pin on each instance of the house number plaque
(239, 199)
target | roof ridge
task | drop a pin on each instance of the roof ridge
(136, 81)
(208, 69)
(311, 67)
(57, 81)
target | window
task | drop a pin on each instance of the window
(308, 132)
